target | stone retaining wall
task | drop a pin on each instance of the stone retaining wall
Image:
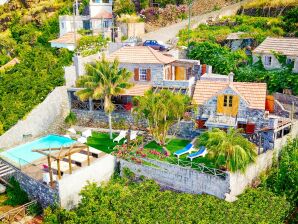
(180, 178)
(46, 117)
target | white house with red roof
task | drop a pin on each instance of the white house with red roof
(98, 19)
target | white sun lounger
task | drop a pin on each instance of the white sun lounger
(72, 130)
(82, 140)
(94, 152)
(64, 166)
(121, 135)
(133, 136)
(87, 133)
(79, 158)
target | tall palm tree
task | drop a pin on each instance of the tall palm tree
(103, 80)
(229, 149)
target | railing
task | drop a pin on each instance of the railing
(17, 214)
(77, 104)
(95, 106)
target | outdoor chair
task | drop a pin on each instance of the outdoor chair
(72, 130)
(79, 158)
(201, 152)
(82, 140)
(64, 166)
(87, 133)
(121, 135)
(133, 136)
(186, 149)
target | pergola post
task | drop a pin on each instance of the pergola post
(58, 167)
(88, 154)
(69, 163)
(50, 170)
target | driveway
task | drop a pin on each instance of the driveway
(167, 33)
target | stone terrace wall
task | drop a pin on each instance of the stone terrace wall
(180, 178)
(49, 114)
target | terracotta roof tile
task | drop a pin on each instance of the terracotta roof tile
(253, 93)
(140, 55)
(68, 38)
(103, 14)
(137, 90)
(285, 46)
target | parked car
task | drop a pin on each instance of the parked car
(157, 45)
(132, 41)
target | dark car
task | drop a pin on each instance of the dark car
(157, 45)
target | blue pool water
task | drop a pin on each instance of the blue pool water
(22, 154)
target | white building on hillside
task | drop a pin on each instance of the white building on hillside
(99, 20)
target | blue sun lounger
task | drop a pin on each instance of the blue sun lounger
(186, 149)
(201, 152)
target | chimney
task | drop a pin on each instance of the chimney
(231, 77)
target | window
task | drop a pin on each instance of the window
(105, 1)
(228, 101)
(289, 61)
(62, 25)
(268, 60)
(105, 24)
(143, 74)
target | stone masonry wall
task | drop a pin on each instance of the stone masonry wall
(36, 190)
(180, 178)
(47, 115)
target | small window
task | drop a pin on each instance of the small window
(289, 61)
(62, 25)
(105, 1)
(230, 101)
(225, 101)
(268, 60)
(143, 74)
(105, 24)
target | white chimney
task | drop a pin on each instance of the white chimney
(231, 77)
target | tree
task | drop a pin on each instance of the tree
(103, 80)
(124, 7)
(162, 110)
(229, 149)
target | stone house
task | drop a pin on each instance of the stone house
(224, 103)
(267, 50)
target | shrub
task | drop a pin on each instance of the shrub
(124, 7)
(71, 118)
(16, 195)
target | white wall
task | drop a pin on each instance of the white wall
(70, 186)
(3, 2)
(38, 121)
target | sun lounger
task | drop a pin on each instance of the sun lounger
(121, 135)
(201, 152)
(186, 149)
(82, 140)
(94, 152)
(87, 133)
(133, 136)
(64, 166)
(79, 158)
(72, 130)
(66, 136)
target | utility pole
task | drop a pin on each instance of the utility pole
(75, 13)
(190, 2)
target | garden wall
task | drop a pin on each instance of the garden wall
(70, 186)
(47, 116)
(180, 178)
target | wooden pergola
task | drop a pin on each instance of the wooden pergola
(59, 154)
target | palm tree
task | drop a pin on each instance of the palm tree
(103, 80)
(229, 149)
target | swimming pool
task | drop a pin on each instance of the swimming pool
(22, 154)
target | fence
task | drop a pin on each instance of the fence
(17, 214)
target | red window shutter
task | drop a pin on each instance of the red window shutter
(136, 76)
(148, 77)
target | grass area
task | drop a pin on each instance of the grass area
(175, 145)
(103, 142)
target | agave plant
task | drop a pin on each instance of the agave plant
(229, 149)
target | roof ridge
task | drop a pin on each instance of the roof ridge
(154, 52)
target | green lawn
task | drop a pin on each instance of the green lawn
(103, 142)
(175, 145)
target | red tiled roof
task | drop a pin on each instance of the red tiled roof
(285, 46)
(68, 38)
(137, 90)
(103, 14)
(140, 55)
(253, 93)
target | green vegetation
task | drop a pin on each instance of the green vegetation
(229, 150)
(103, 142)
(16, 195)
(124, 7)
(270, 3)
(71, 118)
(162, 110)
(28, 28)
(88, 45)
(221, 58)
(103, 80)
(116, 203)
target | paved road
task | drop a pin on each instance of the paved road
(167, 33)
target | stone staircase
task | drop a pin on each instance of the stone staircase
(5, 169)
